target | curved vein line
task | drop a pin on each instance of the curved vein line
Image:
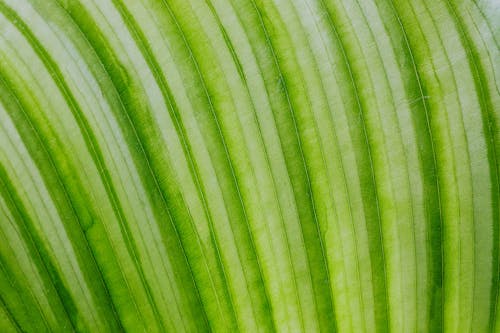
(452, 152)
(212, 111)
(72, 266)
(29, 286)
(299, 140)
(261, 139)
(51, 162)
(341, 163)
(9, 314)
(4, 305)
(369, 148)
(116, 206)
(485, 106)
(427, 112)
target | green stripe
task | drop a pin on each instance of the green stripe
(7, 323)
(31, 226)
(227, 138)
(287, 232)
(17, 233)
(489, 128)
(78, 189)
(121, 86)
(431, 180)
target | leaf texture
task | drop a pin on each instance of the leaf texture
(249, 165)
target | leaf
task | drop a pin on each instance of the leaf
(253, 166)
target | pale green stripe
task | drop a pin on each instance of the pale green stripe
(228, 140)
(163, 184)
(102, 201)
(25, 173)
(127, 190)
(481, 41)
(481, 243)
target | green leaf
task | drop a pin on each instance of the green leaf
(249, 165)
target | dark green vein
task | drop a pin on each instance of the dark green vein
(9, 194)
(377, 254)
(487, 109)
(303, 169)
(434, 229)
